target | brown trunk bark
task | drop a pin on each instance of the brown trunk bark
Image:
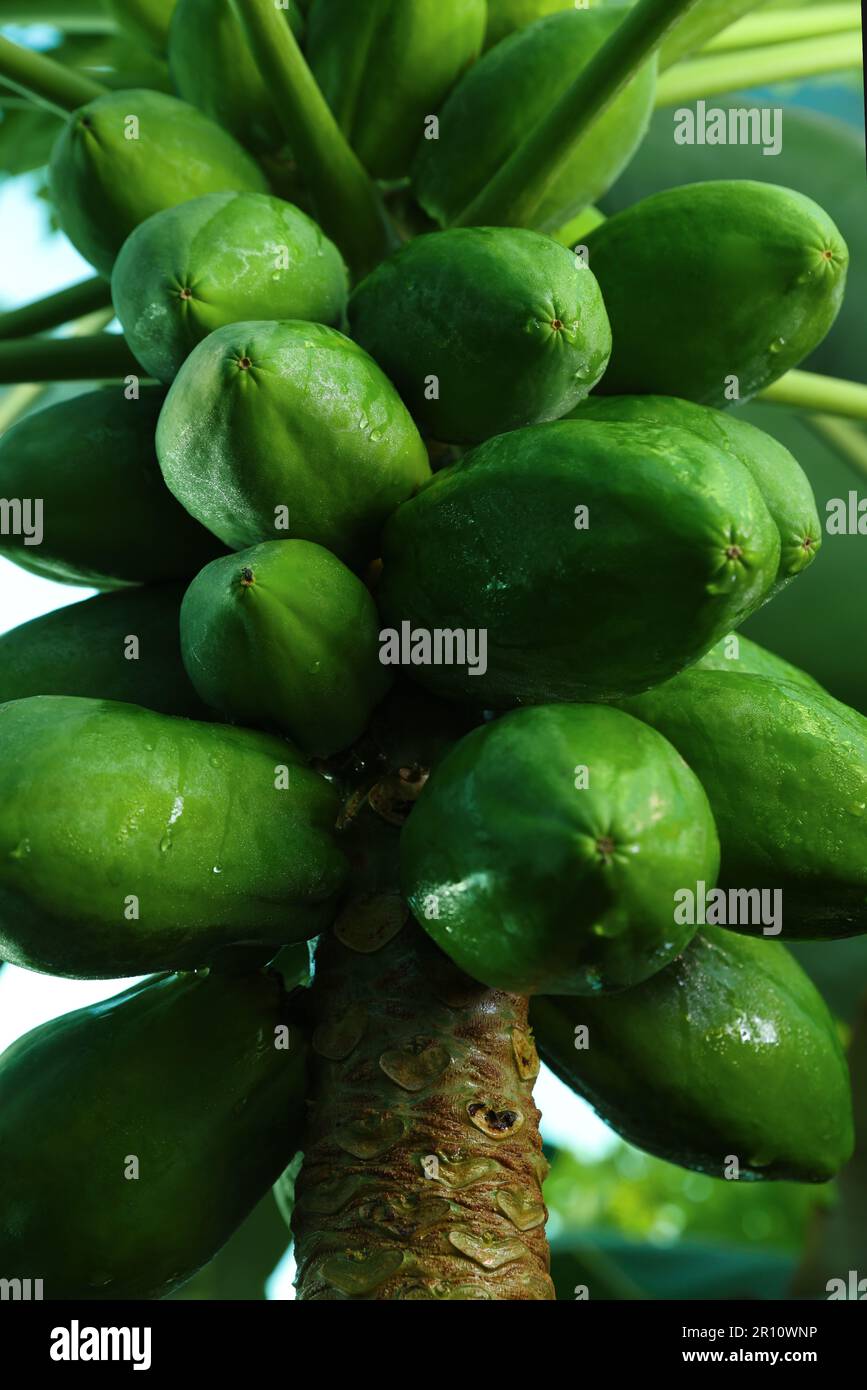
(422, 1163)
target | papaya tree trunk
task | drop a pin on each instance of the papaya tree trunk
(422, 1163)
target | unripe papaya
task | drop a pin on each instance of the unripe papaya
(729, 1055)
(384, 67)
(655, 544)
(88, 467)
(132, 842)
(127, 155)
(785, 771)
(545, 851)
(505, 16)
(144, 19)
(782, 482)
(484, 329)
(138, 1133)
(737, 653)
(121, 646)
(506, 95)
(212, 67)
(298, 435)
(716, 289)
(283, 634)
(224, 258)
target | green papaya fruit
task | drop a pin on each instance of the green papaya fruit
(304, 438)
(88, 468)
(529, 339)
(655, 545)
(86, 649)
(728, 1053)
(505, 96)
(545, 851)
(782, 482)
(737, 653)
(212, 68)
(137, 1134)
(224, 258)
(505, 16)
(284, 634)
(127, 155)
(131, 841)
(765, 266)
(385, 67)
(144, 19)
(785, 771)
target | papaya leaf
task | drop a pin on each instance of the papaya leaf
(608, 1266)
(26, 137)
(28, 132)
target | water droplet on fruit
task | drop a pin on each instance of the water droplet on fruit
(165, 843)
(21, 850)
(777, 345)
(217, 869)
(375, 436)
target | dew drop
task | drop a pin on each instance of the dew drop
(217, 869)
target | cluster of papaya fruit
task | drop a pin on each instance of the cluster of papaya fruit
(480, 437)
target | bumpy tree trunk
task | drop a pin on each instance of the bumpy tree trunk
(423, 1164)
